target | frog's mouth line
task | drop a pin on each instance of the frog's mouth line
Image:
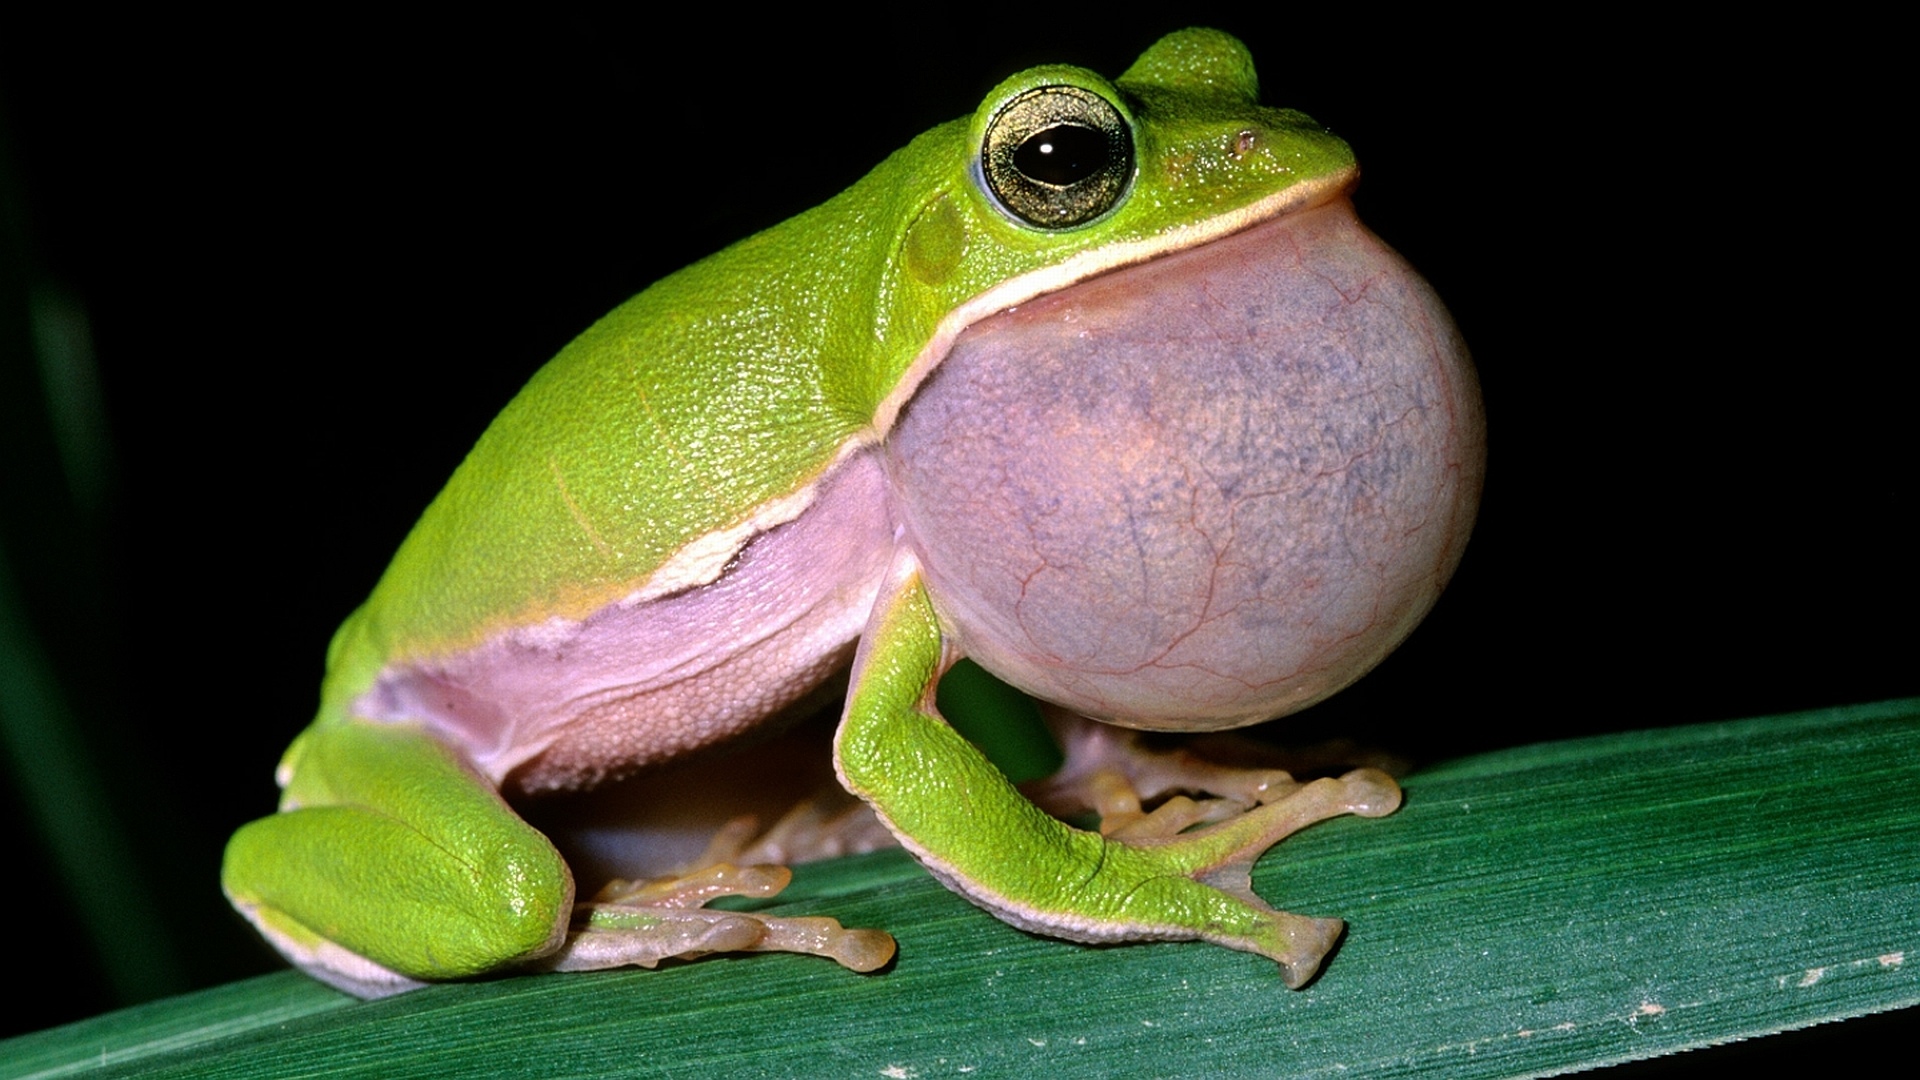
(1088, 264)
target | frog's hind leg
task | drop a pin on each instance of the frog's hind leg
(391, 862)
(710, 808)
(825, 825)
(645, 921)
(668, 842)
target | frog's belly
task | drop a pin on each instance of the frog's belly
(570, 704)
(1204, 491)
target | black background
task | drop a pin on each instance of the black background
(317, 257)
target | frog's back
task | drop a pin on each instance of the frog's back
(572, 557)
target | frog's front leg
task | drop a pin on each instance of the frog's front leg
(973, 830)
(393, 863)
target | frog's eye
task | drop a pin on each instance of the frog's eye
(1057, 156)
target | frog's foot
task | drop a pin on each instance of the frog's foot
(640, 923)
(1109, 771)
(825, 826)
(1225, 852)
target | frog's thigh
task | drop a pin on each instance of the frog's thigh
(972, 829)
(394, 851)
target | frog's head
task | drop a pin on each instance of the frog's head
(1179, 142)
(1193, 449)
(1061, 175)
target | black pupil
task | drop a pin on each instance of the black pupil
(1062, 155)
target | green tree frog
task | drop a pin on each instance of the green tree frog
(1103, 386)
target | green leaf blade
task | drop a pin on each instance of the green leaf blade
(1529, 912)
